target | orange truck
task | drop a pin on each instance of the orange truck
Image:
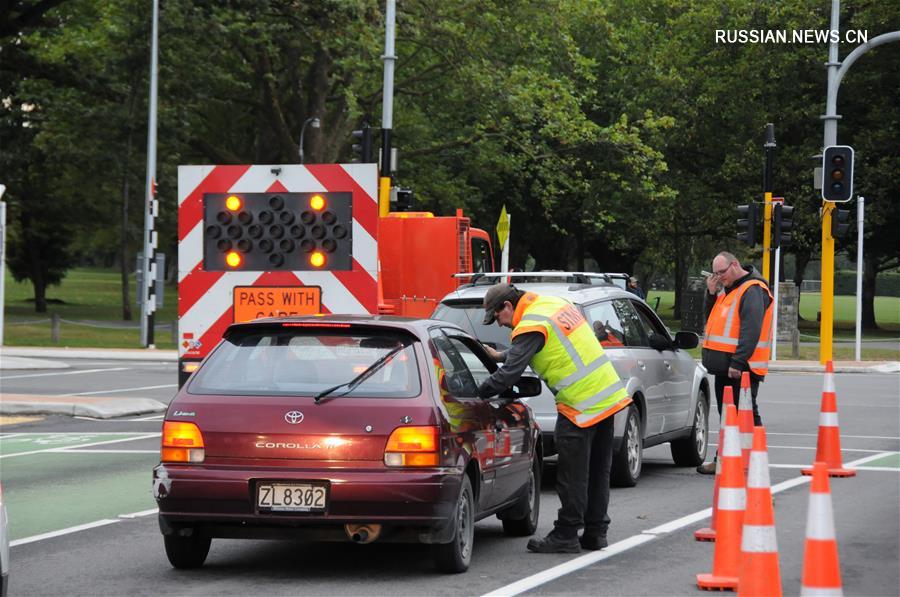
(266, 241)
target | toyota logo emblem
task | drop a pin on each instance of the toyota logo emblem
(293, 417)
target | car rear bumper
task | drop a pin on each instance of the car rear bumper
(221, 501)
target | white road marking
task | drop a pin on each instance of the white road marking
(90, 445)
(814, 448)
(857, 468)
(77, 451)
(64, 373)
(81, 527)
(853, 404)
(842, 435)
(545, 576)
(168, 385)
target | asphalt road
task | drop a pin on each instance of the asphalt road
(53, 488)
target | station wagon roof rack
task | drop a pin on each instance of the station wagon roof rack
(576, 277)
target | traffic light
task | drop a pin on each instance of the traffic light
(277, 231)
(362, 151)
(404, 199)
(782, 219)
(746, 223)
(840, 223)
(837, 173)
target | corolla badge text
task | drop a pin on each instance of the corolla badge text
(293, 417)
(289, 445)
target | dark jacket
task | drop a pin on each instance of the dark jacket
(752, 310)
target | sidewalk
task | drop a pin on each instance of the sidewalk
(25, 358)
(21, 357)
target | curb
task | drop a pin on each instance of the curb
(114, 354)
(78, 406)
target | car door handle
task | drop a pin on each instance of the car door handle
(641, 365)
(668, 365)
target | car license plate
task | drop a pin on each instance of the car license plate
(291, 497)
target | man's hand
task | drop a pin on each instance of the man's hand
(734, 373)
(712, 284)
(496, 355)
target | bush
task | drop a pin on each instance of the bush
(887, 283)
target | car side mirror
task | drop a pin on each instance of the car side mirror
(686, 340)
(527, 386)
(660, 342)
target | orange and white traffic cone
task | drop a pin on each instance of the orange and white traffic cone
(821, 568)
(828, 447)
(709, 533)
(760, 573)
(745, 419)
(730, 515)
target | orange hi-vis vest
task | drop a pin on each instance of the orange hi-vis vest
(723, 328)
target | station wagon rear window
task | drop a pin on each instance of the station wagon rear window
(305, 362)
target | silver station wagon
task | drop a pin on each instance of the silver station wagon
(669, 388)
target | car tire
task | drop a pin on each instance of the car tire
(530, 506)
(691, 450)
(454, 557)
(187, 552)
(626, 465)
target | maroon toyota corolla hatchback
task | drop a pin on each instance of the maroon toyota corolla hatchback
(346, 428)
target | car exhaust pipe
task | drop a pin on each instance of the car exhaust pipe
(362, 533)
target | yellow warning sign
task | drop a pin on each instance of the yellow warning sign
(503, 227)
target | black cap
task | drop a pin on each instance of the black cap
(494, 299)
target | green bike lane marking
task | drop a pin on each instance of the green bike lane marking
(51, 491)
(889, 461)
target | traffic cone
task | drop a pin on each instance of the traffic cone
(730, 515)
(709, 533)
(821, 568)
(760, 574)
(828, 447)
(745, 419)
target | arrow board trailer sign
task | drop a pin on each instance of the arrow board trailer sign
(268, 241)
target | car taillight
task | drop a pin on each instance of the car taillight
(182, 442)
(412, 446)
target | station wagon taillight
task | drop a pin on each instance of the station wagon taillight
(412, 446)
(182, 442)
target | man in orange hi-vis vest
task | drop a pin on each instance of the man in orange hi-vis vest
(738, 331)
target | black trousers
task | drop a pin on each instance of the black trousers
(582, 476)
(723, 380)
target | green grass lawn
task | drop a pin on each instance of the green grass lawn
(95, 295)
(85, 294)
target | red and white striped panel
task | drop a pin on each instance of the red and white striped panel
(205, 298)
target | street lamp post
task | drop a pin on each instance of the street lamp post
(315, 122)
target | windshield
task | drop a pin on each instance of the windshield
(290, 362)
(469, 316)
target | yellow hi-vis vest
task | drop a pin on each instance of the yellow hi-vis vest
(723, 328)
(572, 362)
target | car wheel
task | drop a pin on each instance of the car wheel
(526, 522)
(691, 450)
(456, 555)
(187, 552)
(626, 465)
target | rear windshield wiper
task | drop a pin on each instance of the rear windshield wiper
(353, 383)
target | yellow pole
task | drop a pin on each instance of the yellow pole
(767, 235)
(384, 196)
(826, 328)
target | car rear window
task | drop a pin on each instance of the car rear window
(469, 316)
(305, 362)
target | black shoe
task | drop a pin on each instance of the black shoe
(593, 541)
(707, 469)
(553, 544)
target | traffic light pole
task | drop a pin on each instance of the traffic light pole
(767, 206)
(387, 110)
(836, 72)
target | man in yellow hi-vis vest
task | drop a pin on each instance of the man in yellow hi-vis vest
(551, 335)
(738, 334)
